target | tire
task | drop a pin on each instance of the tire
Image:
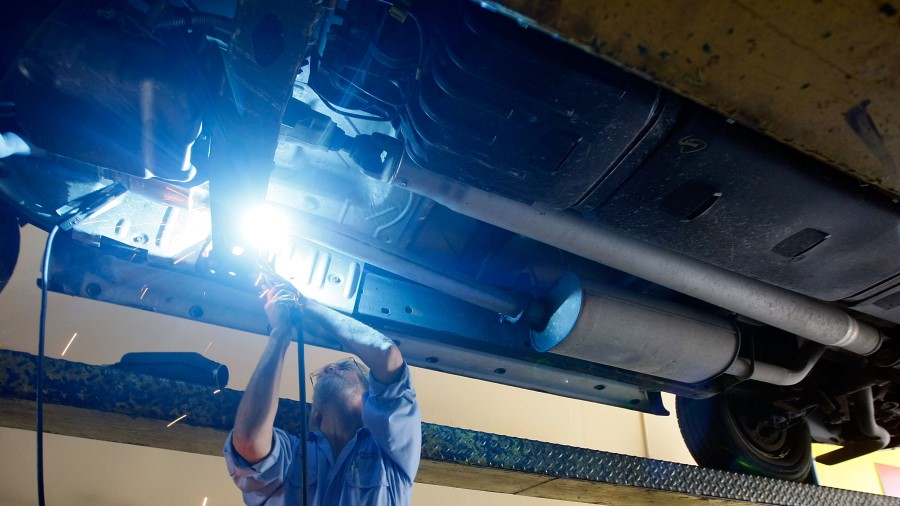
(721, 432)
(9, 245)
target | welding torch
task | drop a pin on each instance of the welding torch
(296, 301)
(290, 294)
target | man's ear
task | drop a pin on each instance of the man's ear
(315, 419)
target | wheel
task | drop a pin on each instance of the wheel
(9, 245)
(729, 433)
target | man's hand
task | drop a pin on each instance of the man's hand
(284, 311)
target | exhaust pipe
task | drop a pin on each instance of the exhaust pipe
(792, 312)
(746, 368)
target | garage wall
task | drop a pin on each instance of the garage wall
(858, 474)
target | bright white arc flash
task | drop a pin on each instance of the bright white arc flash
(264, 228)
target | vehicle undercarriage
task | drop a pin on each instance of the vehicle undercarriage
(504, 205)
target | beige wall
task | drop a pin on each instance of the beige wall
(858, 474)
(92, 472)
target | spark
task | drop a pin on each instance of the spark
(264, 293)
(217, 391)
(204, 501)
(258, 279)
(184, 257)
(144, 291)
(70, 344)
(208, 346)
(173, 422)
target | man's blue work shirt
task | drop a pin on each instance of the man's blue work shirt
(377, 467)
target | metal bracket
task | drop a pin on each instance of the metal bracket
(437, 332)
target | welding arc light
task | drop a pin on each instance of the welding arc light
(263, 228)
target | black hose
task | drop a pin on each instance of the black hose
(39, 375)
(85, 208)
(304, 418)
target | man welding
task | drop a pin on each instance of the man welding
(366, 426)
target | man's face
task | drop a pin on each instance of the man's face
(340, 385)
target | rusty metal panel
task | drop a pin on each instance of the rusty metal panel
(821, 76)
(109, 404)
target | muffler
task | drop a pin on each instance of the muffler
(611, 326)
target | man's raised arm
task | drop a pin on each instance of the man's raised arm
(377, 351)
(252, 436)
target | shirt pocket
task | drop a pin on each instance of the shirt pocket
(367, 470)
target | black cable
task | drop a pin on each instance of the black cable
(39, 380)
(421, 59)
(81, 209)
(334, 108)
(267, 269)
(334, 74)
(315, 59)
(304, 419)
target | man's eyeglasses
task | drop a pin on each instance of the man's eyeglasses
(347, 364)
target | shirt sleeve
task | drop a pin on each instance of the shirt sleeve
(391, 414)
(264, 479)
